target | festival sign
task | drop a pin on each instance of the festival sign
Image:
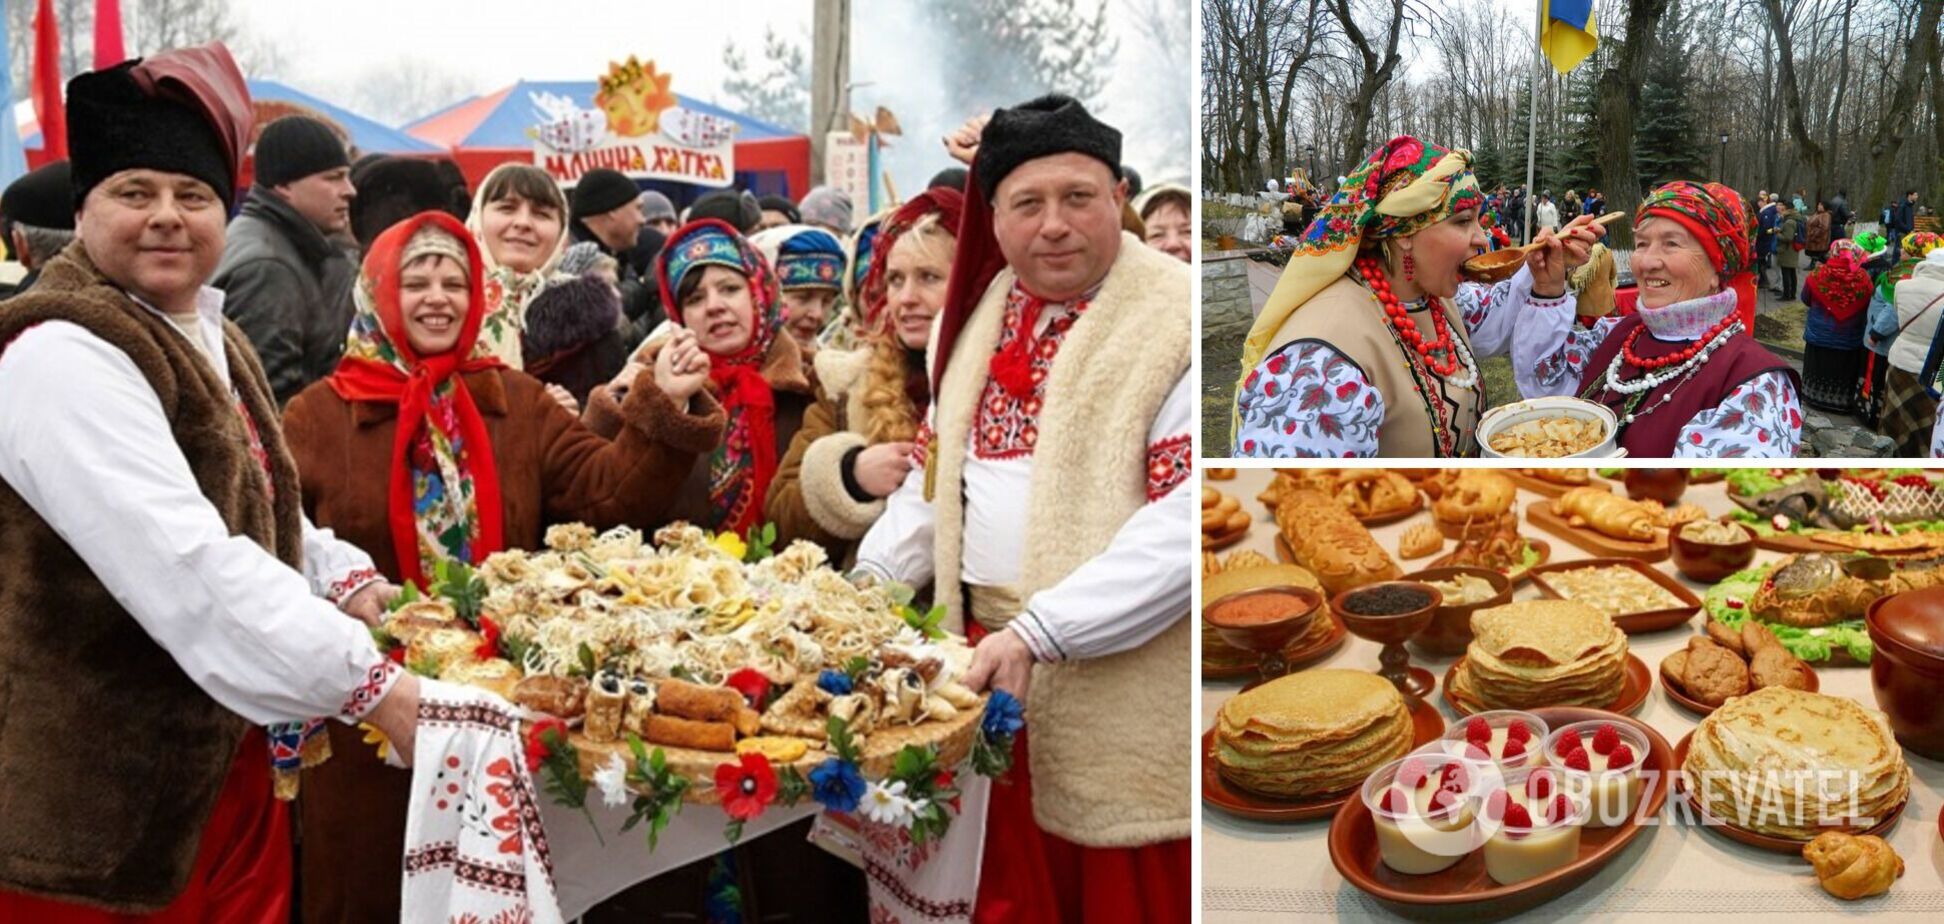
(636, 126)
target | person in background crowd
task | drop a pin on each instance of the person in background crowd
(736, 208)
(285, 283)
(1839, 216)
(38, 211)
(1800, 203)
(573, 336)
(1816, 238)
(1910, 406)
(659, 214)
(606, 211)
(1885, 328)
(1902, 221)
(1788, 250)
(1572, 206)
(1837, 293)
(1546, 214)
(777, 212)
(1595, 203)
(165, 591)
(948, 178)
(1133, 178)
(1767, 216)
(458, 194)
(829, 208)
(856, 444)
(392, 189)
(1165, 211)
(520, 220)
(809, 267)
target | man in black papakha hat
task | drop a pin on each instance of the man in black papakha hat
(38, 215)
(286, 277)
(1047, 507)
(166, 598)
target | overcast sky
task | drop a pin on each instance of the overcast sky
(330, 48)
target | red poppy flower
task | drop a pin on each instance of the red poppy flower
(747, 787)
(490, 635)
(536, 742)
(751, 683)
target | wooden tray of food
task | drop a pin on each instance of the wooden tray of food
(1633, 692)
(1545, 577)
(1538, 485)
(1463, 891)
(1426, 726)
(1541, 514)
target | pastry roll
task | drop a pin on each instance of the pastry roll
(687, 733)
(640, 705)
(1606, 513)
(561, 696)
(605, 702)
(693, 701)
(1326, 539)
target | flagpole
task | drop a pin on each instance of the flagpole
(1532, 121)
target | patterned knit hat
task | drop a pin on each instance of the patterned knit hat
(803, 257)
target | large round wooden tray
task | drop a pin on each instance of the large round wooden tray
(953, 739)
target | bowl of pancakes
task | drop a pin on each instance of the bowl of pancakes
(1786, 765)
(1312, 735)
(1534, 653)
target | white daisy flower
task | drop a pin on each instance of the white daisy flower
(612, 780)
(887, 805)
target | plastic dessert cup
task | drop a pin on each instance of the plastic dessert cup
(1608, 781)
(1425, 816)
(1529, 749)
(1534, 825)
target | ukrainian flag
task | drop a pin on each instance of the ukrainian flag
(1569, 34)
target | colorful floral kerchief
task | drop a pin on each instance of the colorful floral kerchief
(1713, 213)
(1841, 285)
(1403, 188)
(1919, 243)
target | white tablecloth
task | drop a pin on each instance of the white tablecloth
(1252, 871)
(587, 872)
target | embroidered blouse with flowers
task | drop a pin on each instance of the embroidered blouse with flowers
(1115, 602)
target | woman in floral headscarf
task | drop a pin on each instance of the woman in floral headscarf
(1366, 345)
(720, 290)
(420, 449)
(1683, 373)
(519, 219)
(1833, 356)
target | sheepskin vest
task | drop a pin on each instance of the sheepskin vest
(111, 759)
(1109, 755)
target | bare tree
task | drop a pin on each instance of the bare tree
(1377, 67)
(1889, 135)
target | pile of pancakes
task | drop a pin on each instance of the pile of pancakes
(1536, 653)
(1781, 762)
(1311, 734)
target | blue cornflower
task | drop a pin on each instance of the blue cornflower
(1004, 716)
(834, 682)
(837, 785)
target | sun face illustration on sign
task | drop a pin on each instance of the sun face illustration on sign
(633, 96)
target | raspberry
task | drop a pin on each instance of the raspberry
(1478, 731)
(1568, 743)
(1518, 731)
(1605, 739)
(1512, 750)
(1559, 810)
(1539, 785)
(1622, 756)
(1442, 802)
(1474, 752)
(1516, 816)
(1452, 778)
(1411, 774)
(1577, 760)
(1495, 804)
(1394, 802)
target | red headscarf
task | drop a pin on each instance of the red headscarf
(379, 365)
(1719, 219)
(1840, 285)
(948, 204)
(742, 466)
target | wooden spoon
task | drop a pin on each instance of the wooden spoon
(1499, 259)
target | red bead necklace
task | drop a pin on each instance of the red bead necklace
(1641, 362)
(1440, 354)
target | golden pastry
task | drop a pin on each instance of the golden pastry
(1326, 539)
(1606, 513)
(1420, 540)
(1472, 502)
(1853, 866)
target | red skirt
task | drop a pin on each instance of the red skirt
(1028, 876)
(242, 871)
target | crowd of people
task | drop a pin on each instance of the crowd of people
(234, 421)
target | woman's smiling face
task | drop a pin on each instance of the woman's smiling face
(1669, 264)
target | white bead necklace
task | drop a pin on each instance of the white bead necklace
(1651, 380)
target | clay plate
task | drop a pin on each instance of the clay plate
(1764, 841)
(1680, 697)
(1518, 577)
(1630, 623)
(1633, 691)
(1427, 726)
(1298, 656)
(1216, 541)
(1353, 847)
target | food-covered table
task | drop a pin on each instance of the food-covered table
(1253, 870)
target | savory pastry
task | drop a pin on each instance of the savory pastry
(496, 674)
(437, 648)
(561, 696)
(1420, 540)
(1548, 437)
(1712, 673)
(638, 707)
(678, 732)
(1685, 514)
(1606, 513)
(1504, 551)
(1324, 538)
(1223, 518)
(1570, 477)
(1851, 866)
(694, 701)
(1814, 590)
(1533, 653)
(408, 622)
(606, 698)
(1219, 474)
(1463, 590)
(1372, 492)
(1313, 733)
(1792, 764)
(1713, 532)
(1615, 590)
(1472, 502)
(1769, 663)
(796, 712)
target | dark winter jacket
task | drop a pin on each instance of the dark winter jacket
(640, 300)
(572, 336)
(289, 288)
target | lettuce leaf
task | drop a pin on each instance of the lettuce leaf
(1819, 644)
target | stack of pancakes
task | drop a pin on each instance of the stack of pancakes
(1220, 655)
(1785, 762)
(1541, 653)
(1311, 734)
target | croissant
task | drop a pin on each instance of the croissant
(1607, 513)
(1852, 866)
